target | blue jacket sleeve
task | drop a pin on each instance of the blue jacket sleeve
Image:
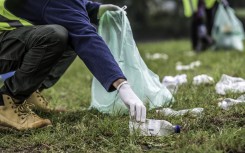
(84, 39)
(93, 9)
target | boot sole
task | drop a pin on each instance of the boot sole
(53, 110)
(11, 129)
(7, 124)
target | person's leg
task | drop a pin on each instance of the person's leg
(194, 31)
(31, 52)
(37, 99)
(210, 14)
(59, 69)
(209, 18)
(40, 48)
(200, 27)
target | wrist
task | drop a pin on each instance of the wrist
(121, 84)
(118, 82)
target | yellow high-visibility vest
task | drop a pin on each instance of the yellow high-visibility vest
(8, 21)
(209, 3)
(190, 6)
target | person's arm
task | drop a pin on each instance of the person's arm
(135, 105)
(93, 9)
(93, 51)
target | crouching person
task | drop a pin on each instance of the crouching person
(31, 51)
(36, 53)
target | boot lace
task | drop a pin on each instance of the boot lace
(23, 110)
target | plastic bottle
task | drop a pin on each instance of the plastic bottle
(171, 112)
(153, 128)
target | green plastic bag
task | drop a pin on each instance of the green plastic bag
(115, 29)
(227, 31)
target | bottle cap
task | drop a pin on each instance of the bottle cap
(177, 129)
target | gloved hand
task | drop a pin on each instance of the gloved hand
(107, 7)
(134, 104)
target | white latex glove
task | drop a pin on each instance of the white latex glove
(134, 104)
(107, 7)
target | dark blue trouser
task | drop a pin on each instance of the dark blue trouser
(32, 52)
(202, 16)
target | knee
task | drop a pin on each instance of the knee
(59, 35)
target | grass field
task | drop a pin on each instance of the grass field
(80, 130)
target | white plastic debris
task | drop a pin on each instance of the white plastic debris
(170, 112)
(153, 128)
(172, 82)
(192, 65)
(156, 56)
(228, 102)
(230, 84)
(202, 79)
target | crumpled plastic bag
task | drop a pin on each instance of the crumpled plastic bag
(227, 103)
(227, 31)
(156, 56)
(191, 66)
(172, 83)
(115, 29)
(202, 79)
(230, 84)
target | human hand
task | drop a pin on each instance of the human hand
(107, 7)
(134, 104)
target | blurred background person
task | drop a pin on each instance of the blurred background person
(202, 13)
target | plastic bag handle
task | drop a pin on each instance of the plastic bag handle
(124, 7)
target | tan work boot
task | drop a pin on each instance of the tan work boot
(19, 116)
(38, 102)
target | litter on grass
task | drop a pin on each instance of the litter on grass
(153, 128)
(156, 56)
(202, 79)
(227, 103)
(172, 82)
(192, 65)
(170, 112)
(230, 84)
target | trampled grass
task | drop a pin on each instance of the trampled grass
(81, 130)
